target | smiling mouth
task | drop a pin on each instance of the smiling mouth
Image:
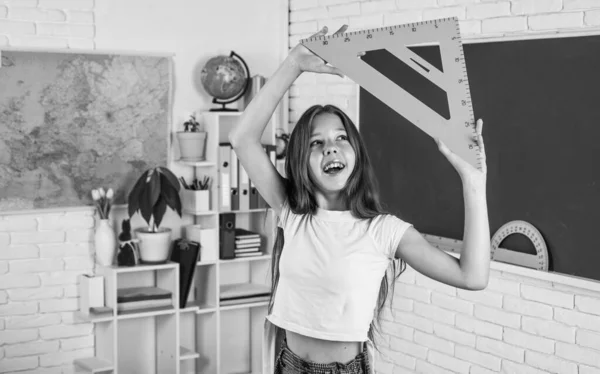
(333, 167)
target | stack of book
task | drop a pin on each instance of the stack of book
(242, 293)
(135, 298)
(247, 243)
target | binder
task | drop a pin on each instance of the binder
(224, 177)
(226, 236)
(253, 196)
(244, 186)
(235, 195)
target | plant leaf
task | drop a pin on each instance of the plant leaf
(159, 211)
(170, 177)
(171, 195)
(133, 200)
(150, 195)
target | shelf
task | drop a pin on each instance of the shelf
(245, 211)
(198, 164)
(141, 313)
(193, 306)
(187, 354)
(144, 267)
(198, 337)
(245, 305)
(204, 213)
(93, 365)
(245, 259)
(93, 317)
(203, 263)
(206, 310)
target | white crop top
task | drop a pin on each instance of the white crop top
(330, 272)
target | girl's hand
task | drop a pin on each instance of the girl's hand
(468, 174)
(305, 60)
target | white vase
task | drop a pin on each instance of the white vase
(105, 242)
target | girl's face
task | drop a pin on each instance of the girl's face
(332, 158)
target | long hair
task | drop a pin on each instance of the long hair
(360, 195)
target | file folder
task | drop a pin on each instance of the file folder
(224, 177)
(253, 196)
(244, 186)
(235, 195)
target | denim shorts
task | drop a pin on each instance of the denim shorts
(290, 363)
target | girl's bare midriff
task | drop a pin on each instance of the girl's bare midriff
(322, 351)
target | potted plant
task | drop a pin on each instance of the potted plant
(156, 189)
(192, 140)
(196, 196)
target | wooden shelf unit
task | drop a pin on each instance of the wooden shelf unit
(228, 339)
(116, 348)
(203, 337)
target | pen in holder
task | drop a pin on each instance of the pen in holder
(195, 196)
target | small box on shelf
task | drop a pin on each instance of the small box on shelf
(208, 239)
(91, 291)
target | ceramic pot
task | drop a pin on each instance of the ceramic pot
(191, 145)
(154, 247)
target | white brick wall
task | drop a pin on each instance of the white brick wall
(518, 324)
(47, 24)
(40, 258)
(41, 255)
(510, 327)
(478, 19)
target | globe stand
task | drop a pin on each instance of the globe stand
(223, 108)
(239, 95)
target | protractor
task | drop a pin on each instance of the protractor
(539, 261)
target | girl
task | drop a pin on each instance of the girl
(334, 241)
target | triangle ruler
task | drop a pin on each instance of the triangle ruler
(345, 51)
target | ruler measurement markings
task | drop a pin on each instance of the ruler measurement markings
(418, 33)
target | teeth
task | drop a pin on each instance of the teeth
(333, 165)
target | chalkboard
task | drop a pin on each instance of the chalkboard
(540, 102)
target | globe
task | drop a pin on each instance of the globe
(225, 78)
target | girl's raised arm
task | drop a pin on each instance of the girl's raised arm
(245, 136)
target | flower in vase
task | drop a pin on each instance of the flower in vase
(103, 201)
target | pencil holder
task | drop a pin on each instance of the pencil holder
(195, 200)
